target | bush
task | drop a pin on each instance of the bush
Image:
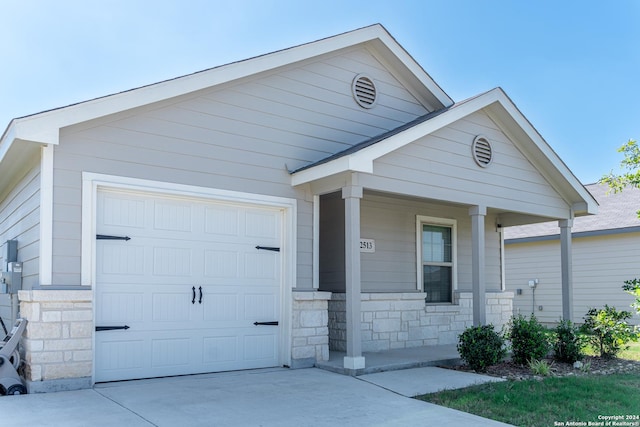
(608, 331)
(632, 287)
(528, 340)
(568, 344)
(481, 347)
(540, 367)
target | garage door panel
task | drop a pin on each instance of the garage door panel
(260, 307)
(171, 307)
(260, 224)
(119, 306)
(259, 347)
(172, 261)
(122, 211)
(219, 349)
(116, 258)
(220, 307)
(172, 216)
(222, 221)
(260, 265)
(119, 355)
(172, 352)
(221, 264)
(147, 283)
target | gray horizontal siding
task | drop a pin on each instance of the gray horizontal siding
(20, 220)
(242, 136)
(441, 164)
(391, 222)
(8, 308)
(601, 264)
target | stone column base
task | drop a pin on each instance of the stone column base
(58, 341)
(310, 333)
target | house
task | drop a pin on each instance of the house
(606, 249)
(330, 196)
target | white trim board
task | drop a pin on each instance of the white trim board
(91, 182)
(447, 222)
(46, 216)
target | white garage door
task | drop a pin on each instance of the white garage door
(194, 292)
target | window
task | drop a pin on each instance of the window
(436, 258)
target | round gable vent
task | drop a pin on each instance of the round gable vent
(482, 153)
(364, 91)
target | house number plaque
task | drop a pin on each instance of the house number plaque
(367, 245)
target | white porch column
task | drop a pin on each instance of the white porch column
(567, 268)
(352, 195)
(477, 214)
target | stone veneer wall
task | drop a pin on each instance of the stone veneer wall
(402, 320)
(57, 343)
(310, 332)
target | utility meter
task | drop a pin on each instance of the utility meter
(11, 280)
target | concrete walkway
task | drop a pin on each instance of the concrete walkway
(268, 397)
(414, 382)
(401, 358)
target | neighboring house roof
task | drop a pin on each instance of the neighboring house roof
(617, 213)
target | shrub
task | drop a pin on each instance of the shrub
(528, 339)
(632, 287)
(607, 330)
(568, 344)
(540, 367)
(481, 347)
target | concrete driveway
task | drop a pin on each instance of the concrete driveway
(268, 397)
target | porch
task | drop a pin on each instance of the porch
(394, 360)
(420, 210)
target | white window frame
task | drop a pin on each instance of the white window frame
(442, 222)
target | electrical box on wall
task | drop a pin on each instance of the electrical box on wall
(11, 280)
(11, 276)
(10, 253)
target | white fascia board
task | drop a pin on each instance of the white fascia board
(7, 140)
(40, 130)
(353, 163)
(410, 135)
(589, 204)
(416, 69)
(44, 127)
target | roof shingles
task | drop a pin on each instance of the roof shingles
(616, 211)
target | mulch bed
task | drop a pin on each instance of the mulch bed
(591, 366)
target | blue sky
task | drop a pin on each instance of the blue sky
(572, 67)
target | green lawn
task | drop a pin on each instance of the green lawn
(551, 401)
(544, 403)
(633, 353)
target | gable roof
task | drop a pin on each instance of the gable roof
(617, 213)
(364, 144)
(500, 108)
(44, 127)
